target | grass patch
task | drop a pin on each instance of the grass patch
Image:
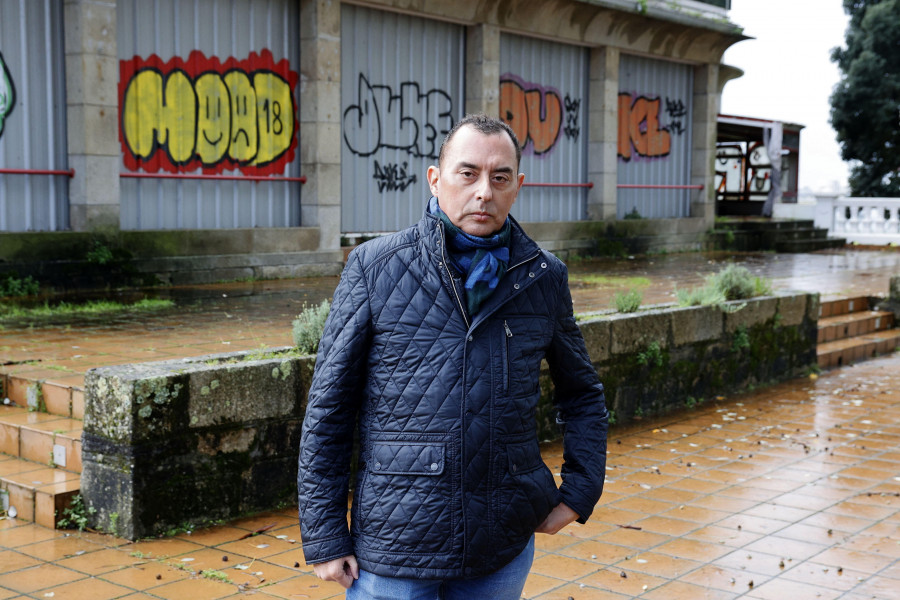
(9, 312)
(609, 281)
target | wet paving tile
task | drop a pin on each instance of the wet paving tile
(39, 577)
(778, 589)
(627, 582)
(580, 591)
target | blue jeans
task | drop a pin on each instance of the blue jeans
(504, 584)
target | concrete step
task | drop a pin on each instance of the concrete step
(40, 463)
(847, 351)
(843, 306)
(48, 440)
(808, 245)
(853, 324)
(37, 492)
(762, 224)
(57, 397)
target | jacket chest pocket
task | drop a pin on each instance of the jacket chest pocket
(523, 344)
(404, 499)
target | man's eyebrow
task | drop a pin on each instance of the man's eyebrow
(467, 165)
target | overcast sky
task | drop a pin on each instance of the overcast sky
(788, 76)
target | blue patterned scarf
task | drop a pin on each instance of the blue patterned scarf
(482, 260)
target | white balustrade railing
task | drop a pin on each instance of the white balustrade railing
(873, 221)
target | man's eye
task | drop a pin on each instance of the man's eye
(467, 173)
(501, 179)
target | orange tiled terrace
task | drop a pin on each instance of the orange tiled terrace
(792, 491)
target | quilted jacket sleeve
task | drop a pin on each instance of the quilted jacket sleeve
(581, 404)
(326, 443)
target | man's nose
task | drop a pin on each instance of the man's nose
(484, 190)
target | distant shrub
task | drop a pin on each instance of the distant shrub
(309, 326)
(13, 286)
(628, 302)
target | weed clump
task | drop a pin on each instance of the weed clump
(309, 326)
(628, 302)
(76, 515)
(731, 283)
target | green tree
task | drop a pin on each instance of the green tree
(865, 104)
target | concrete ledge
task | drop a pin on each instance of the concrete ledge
(671, 357)
(215, 437)
(191, 440)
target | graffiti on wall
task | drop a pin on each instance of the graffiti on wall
(640, 131)
(742, 170)
(572, 107)
(7, 93)
(676, 112)
(392, 177)
(538, 114)
(182, 115)
(406, 119)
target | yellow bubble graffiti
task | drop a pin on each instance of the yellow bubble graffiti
(247, 118)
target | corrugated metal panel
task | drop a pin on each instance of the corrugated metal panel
(216, 35)
(32, 116)
(544, 98)
(401, 91)
(655, 104)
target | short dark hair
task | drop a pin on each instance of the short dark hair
(486, 125)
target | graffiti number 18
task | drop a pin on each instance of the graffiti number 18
(273, 120)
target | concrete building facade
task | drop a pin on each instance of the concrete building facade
(221, 139)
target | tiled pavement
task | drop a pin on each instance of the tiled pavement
(790, 492)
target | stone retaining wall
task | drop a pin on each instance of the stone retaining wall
(191, 441)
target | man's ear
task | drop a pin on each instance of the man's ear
(521, 180)
(434, 175)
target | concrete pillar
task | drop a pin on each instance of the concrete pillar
(320, 118)
(483, 69)
(92, 75)
(603, 120)
(703, 152)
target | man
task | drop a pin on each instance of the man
(433, 349)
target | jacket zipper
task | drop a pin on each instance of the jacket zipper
(509, 335)
(462, 308)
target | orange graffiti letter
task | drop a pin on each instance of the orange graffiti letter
(659, 141)
(543, 126)
(513, 110)
(639, 127)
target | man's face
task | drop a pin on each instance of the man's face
(478, 180)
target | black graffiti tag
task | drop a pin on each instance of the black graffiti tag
(572, 106)
(407, 120)
(676, 111)
(392, 177)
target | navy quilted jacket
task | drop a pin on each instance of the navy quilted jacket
(450, 479)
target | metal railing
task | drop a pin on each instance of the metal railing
(68, 172)
(301, 179)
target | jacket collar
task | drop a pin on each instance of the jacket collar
(522, 249)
